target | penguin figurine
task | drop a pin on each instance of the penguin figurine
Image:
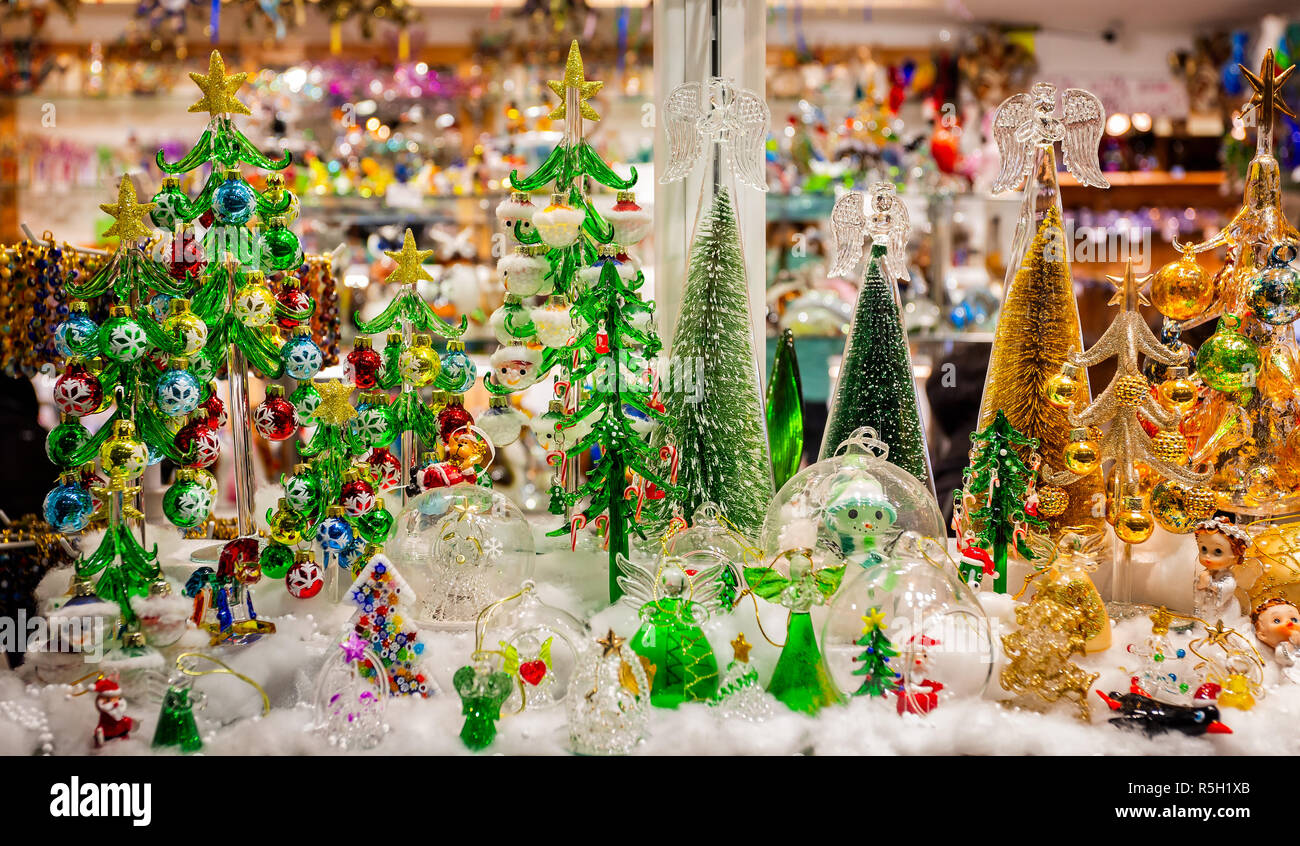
(1139, 711)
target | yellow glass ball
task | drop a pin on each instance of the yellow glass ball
(1182, 289)
(419, 365)
(1133, 525)
(285, 527)
(206, 480)
(1131, 390)
(1178, 394)
(1061, 390)
(1262, 485)
(1170, 446)
(1082, 457)
(1052, 501)
(124, 456)
(254, 305)
(188, 330)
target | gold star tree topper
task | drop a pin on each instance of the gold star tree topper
(574, 77)
(610, 643)
(1268, 85)
(334, 407)
(127, 214)
(740, 648)
(219, 89)
(1129, 289)
(410, 262)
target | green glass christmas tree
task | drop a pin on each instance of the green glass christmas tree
(1000, 477)
(785, 412)
(878, 677)
(716, 424)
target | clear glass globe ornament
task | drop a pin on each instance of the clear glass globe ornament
(710, 540)
(461, 548)
(932, 620)
(849, 507)
(538, 645)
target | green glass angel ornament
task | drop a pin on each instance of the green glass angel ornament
(675, 600)
(482, 691)
(800, 679)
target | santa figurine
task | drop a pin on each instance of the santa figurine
(1277, 625)
(114, 724)
(916, 693)
(468, 454)
(1221, 546)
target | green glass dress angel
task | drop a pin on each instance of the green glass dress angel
(176, 726)
(800, 679)
(482, 691)
(674, 601)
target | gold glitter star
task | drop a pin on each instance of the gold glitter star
(410, 262)
(334, 407)
(219, 89)
(610, 643)
(574, 77)
(127, 214)
(1218, 635)
(741, 648)
(1266, 101)
(872, 620)
(1128, 290)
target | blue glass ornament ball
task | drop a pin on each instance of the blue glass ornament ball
(233, 202)
(68, 508)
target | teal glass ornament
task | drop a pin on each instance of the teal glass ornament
(458, 371)
(177, 391)
(64, 440)
(280, 247)
(234, 199)
(74, 335)
(1274, 292)
(302, 358)
(68, 507)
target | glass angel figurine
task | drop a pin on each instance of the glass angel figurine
(674, 601)
(1026, 121)
(887, 225)
(482, 691)
(699, 114)
(800, 679)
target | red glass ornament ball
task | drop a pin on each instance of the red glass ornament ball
(358, 497)
(363, 368)
(293, 300)
(452, 418)
(386, 467)
(276, 419)
(198, 442)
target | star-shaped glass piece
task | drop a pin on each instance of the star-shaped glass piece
(410, 262)
(872, 620)
(353, 648)
(334, 407)
(1268, 86)
(128, 215)
(219, 89)
(740, 648)
(1129, 289)
(574, 77)
(610, 643)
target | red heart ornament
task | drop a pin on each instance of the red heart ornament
(532, 671)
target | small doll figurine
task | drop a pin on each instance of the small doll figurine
(114, 724)
(469, 453)
(674, 601)
(1277, 624)
(860, 517)
(482, 691)
(916, 693)
(800, 679)
(1221, 546)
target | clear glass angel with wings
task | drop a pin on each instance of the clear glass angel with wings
(887, 225)
(1025, 121)
(699, 114)
(674, 601)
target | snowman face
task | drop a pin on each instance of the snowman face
(860, 517)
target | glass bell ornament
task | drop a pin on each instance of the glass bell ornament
(65, 439)
(78, 392)
(176, 726)
(611, 718)
(186, 503)
(1228, 361)
(302, 358)
(1133, 523)
(385, 467)
(523, 272)
(281, 250)
(458, 369)
(305, 578)
(374, 425)
(554, 323)
(461, 547)
(1274, 292)
(164, 614)
(76, 335)
(350, 698)
(275, 560)
(1082, 454)
(928, 616)
(177, 391)
(361, 368)
(502, 422)
(254, 303)
(168, 204)
(516, 215)
(286, 525)
(186, 329)
(305, 399)
(419, 363)
(539, 645)
(559, 224)
(631, 222)
(121, 339)
(453, 417)
(68, 507)
(233, 201)
(294, 305)
(357, 495)
(303, 488)
(514, 366)
(512, 322)
(848, 507)
(275, 418)
(1177, 392)
(124, 455)
(1182, 290)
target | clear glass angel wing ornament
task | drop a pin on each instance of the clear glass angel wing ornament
(1025, 121)
(716, 112)
(887, 224)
